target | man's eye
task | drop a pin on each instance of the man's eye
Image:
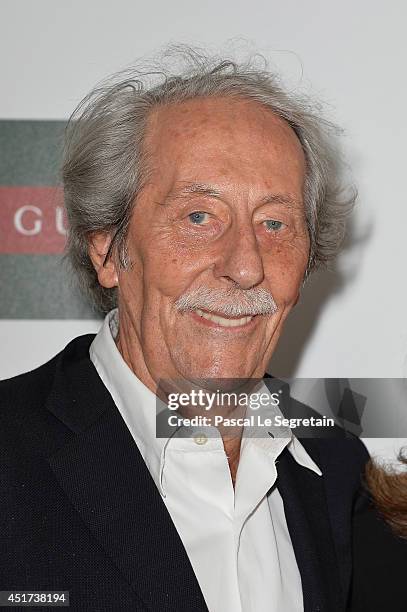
(199, 218)
(272, 225)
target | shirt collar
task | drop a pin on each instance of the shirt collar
(136, 403)
(266, 438)
(138, 406)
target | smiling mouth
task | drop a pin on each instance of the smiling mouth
(222, 320)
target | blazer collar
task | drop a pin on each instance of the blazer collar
(103, 474)
(307, 517)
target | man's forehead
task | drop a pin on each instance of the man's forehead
(201, 116)
(261, 157)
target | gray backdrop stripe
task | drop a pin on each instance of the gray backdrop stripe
(39, 287)
(30, 152)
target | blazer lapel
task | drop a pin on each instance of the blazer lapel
(306, 513)
(102, 472)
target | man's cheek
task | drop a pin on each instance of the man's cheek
(284, 281)
(173, 275)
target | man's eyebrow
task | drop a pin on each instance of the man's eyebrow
(192, 189)
(270, 198)
(200, 189)
(210, 191)
(281, 198)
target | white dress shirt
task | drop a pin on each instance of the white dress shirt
(236, 539)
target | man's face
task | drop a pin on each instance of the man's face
(223, 210)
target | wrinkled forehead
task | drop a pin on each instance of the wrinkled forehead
(216, 133)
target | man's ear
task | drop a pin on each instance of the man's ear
(99, 243)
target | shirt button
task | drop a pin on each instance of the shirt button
(200, 439)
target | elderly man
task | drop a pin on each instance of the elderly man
(197, 205)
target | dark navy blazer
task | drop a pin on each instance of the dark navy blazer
(79, 510)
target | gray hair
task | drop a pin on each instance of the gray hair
(105, 165)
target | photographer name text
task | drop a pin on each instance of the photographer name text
(253, 420)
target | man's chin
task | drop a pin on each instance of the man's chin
(225, 379)
(213, 367)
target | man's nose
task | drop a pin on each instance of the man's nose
(239, 258)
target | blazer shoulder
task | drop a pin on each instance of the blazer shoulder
(23, 398)
(346, 448)
(34, 384)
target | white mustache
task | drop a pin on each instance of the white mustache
(232, 302)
